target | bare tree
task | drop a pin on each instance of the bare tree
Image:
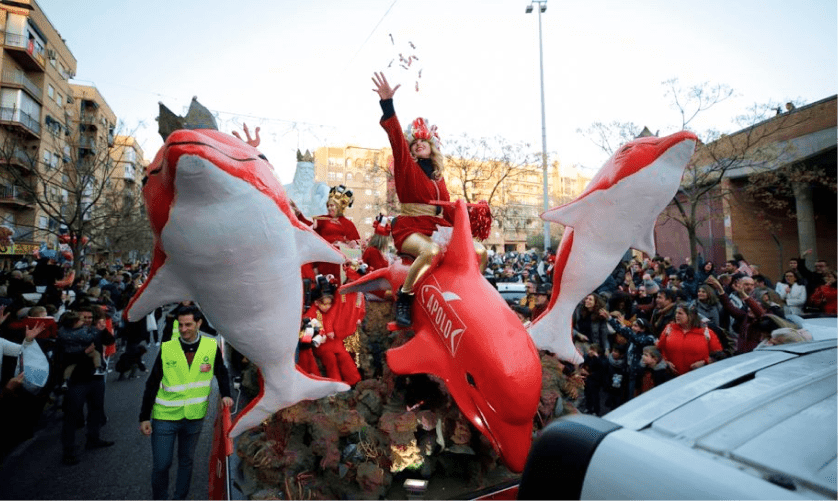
(76, 193)
(774, 190)
(750, 150)
(609, 137)
(488, 169)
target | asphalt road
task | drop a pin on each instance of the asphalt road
(34, 469)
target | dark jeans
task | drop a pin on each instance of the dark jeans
(163, 434)
(91, 393)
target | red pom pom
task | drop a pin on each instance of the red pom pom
(480, 218)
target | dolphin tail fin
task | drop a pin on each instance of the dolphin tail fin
(289, 389)
(646, 241)
(162, 287)
(555, 337)
(314, 248)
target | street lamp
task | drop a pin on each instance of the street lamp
(542, 6)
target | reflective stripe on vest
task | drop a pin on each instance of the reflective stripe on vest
(185, 389)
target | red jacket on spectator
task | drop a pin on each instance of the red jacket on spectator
(684, 348)
(826, 298)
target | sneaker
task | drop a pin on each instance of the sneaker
(70, 459)
(98, 443)
(100, 371)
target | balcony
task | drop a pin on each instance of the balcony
(20, 120)
(18, 79)
(129, 172)
(19, 159)
(87, 145)
(89, 120)
(15, 196)
(27, 51)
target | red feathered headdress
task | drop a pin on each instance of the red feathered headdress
(419, 129)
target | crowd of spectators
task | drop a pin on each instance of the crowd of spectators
(651, 320)
(74, 319)
(648, 322)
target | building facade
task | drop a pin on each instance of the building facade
(791, 147)
(36, 108)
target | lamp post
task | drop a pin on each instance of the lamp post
(542, 6)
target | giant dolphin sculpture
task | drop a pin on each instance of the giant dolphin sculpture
(469, 337)
(225, 237)
(616, 211)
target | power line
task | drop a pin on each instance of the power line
(370, 35)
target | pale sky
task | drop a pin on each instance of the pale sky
(301, 69)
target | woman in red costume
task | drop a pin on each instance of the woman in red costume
(334, 227)
(417, 171)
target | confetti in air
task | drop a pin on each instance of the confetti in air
(407, 61)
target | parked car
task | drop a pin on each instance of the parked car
(512, 292)
(760, 425)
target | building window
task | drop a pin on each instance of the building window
(43, 222)
(51, 92)
(59, 99)
(349, 176)
(47, 158)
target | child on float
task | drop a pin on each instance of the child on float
(375, 253)
(331, 352)
(417, 172)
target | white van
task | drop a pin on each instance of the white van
(761, 425)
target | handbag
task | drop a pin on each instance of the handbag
(35, 367)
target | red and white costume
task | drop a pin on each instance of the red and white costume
(413, 185)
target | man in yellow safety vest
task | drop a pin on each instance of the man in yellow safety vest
(176, 399)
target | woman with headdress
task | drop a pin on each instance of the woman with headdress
(335, 228)
(417, 172)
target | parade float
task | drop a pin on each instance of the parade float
(455, 400)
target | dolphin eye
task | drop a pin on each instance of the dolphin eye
(470, 380)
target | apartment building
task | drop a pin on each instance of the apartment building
(36, 105)
(365, 172)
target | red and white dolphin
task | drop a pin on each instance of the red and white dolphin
(617, 211)
(226, 238)
(468, 336)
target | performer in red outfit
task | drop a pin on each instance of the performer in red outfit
(417, 172)
(334, 227)
(374, 253)
(686, 343)
(331, 352)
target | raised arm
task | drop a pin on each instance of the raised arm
(382, 87)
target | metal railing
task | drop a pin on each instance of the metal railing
(17, 77)
(24, 42)
(21, 117)
(15, 193)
